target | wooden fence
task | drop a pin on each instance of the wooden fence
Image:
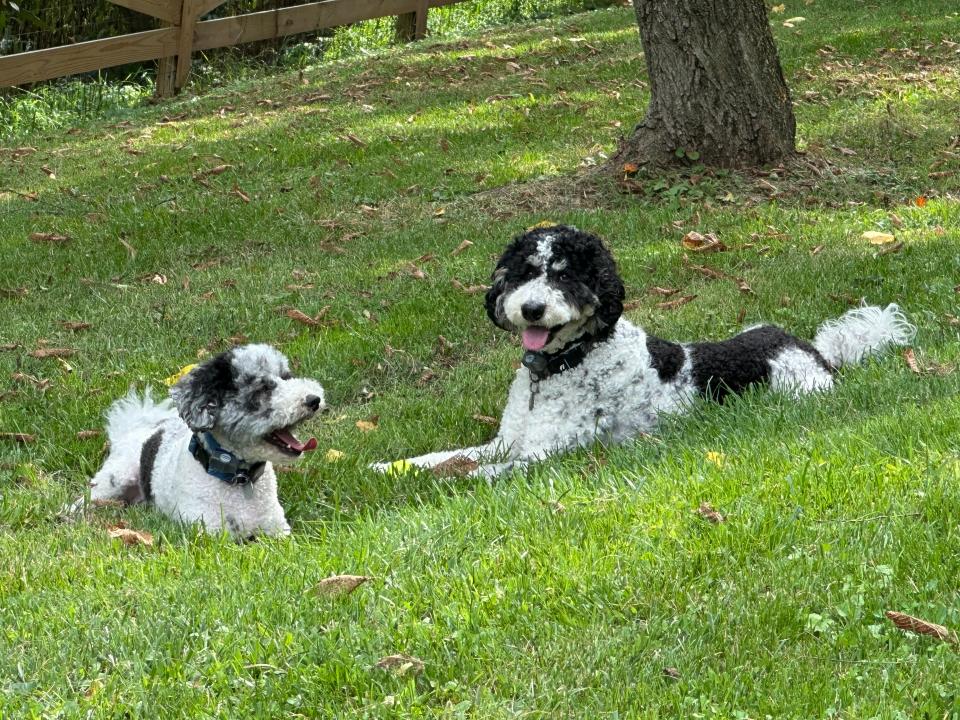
(183, 33)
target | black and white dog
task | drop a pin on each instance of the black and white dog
(590, 374)
(210, 458)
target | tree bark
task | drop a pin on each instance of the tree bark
(717, 92)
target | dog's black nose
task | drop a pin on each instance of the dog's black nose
(312, 402)
(532, 311)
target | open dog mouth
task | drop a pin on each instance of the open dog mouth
(537, 337)
(287, 442)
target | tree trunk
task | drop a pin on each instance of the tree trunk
(717, 93)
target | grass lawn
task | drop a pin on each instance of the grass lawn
(567, 592)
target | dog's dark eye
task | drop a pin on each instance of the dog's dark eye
(530, 272)
(563, 276)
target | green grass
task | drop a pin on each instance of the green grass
(562, 593)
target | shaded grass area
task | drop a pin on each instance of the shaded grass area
(563, 593)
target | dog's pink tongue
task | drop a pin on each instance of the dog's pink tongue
(535, 337)
(295, 444)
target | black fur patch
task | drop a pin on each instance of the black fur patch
(148, 456)
(730, 366)
(200, 395)
(665, 357)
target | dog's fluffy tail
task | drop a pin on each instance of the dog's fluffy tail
(864, 331)
(134, 414)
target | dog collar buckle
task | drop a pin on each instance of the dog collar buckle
(220, 463)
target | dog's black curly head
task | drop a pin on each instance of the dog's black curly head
(554, 285)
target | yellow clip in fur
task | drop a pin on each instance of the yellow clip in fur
(542, 224)
(172, 380)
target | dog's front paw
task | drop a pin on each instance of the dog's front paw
(397, 467)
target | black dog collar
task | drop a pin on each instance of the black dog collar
(543, 365)
(223, 464)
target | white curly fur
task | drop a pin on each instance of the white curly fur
(263, 398)
(617, 391)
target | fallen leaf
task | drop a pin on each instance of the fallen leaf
(35, 381)
(877, 238)
(75, 326)
(416, 272)
(50, 173)
(468, 289)
(41, 353)
(240, 194)
(14, 292)
(400, 664)
(129, 536)
(302, 317)
(952, 319)
(717, 458)
(366, 426)
(707, 512)
(461, 247)
(926, 368)
(87, 434)
(218, 170)
(9, 346)
(673, 304)
(695, 242)
(333, 455)
(921, 627)
(22, 438)
(891, 248)
(742, 285)
(457, 466)
(920, 201)
(817, 250)
(630, 168)
(49, 237)
(486, 419)
(666, 292)
(339, 585)
(896, 221)
(426, 377)
(355, 140)
(672, 672)
(709, 272)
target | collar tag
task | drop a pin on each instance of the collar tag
(220, 463)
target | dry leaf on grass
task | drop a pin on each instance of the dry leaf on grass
(666, 292)
(707, 512)
(87, 434)
(40, 384)
(457, 466)
(468, 289)
(672, 672)
(22, 438)
(14, 292)
(921, 627)
(673, 304)
(890, 248)
(75, 326)
(708, 272)
(218, 170)
(486, 419)
(366, 426)
(696, 242)
(877, 238)
(400, 664)
(302, 317)
(461, 247)
(240, 194)
(41, 353)
(415, 272)
(926, 368)
(49, 237)
(817, 250)
(339, 585)
(130, 536)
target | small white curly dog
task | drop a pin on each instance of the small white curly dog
(212, 462)
(589, 374)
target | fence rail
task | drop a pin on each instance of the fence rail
(184, 32)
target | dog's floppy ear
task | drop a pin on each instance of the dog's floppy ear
(608, 287)
(199, 394)
(494, 310)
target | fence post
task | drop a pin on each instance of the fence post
(188, 19)
(413, 26)
(167, 66)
